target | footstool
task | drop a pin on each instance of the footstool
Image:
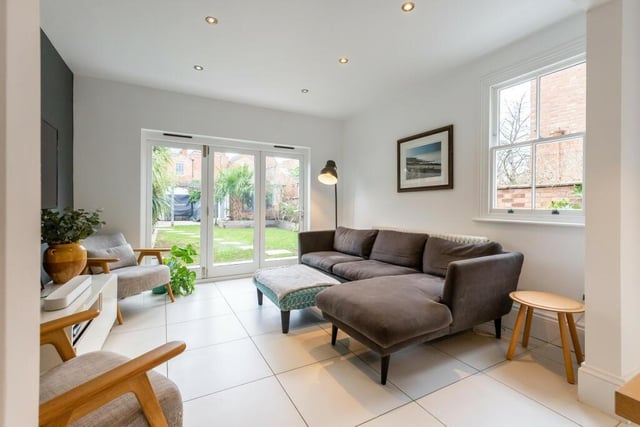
(291, 287)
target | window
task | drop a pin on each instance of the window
(179, 168)
(536, 141)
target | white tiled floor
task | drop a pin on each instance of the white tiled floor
(240, 370)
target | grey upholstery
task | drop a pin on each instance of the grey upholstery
(139, 278)
(390, 303)
(123, 411)
(407, 308)
(354, 242)
(439, 253)
(325, 260)
(369, 268)
(400, 248)
(132, 278)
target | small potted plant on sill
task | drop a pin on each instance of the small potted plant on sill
(65, 257)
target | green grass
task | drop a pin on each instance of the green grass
(229, 244)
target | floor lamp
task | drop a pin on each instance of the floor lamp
(329, 176)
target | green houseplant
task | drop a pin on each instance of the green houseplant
(183, 280)
(63, 231)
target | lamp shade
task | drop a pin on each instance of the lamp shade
(329, 173)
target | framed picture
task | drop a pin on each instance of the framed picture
(425, 161)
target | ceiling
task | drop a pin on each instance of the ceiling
(263, 52)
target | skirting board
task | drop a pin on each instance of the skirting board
(597, 388)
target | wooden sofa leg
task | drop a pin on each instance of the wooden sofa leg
(119, 314)
(334, 334)
(497, 323)
(170, 292)
(384, 369)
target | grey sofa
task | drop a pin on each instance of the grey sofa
(407, 288)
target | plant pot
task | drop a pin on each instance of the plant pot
(159, 290)
(65, 261)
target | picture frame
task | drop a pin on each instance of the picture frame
(425, 161)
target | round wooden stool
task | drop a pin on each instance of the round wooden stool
(565, 307)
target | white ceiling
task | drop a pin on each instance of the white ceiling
(263, 52)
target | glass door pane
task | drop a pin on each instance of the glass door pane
(175, 198)
(283, 207)
(234, 183)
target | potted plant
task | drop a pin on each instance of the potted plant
(65, 257)
(182, 279)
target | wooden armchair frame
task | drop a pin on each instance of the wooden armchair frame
(103, 263)
(131, 376)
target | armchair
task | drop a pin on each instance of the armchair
(110, 253)
(103, 388)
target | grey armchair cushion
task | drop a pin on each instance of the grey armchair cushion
(400, 248)
(135, 279)
(438, 253)
(325, 260)
(354, 242)
(104, 241)
(124, 253)
(123, 411)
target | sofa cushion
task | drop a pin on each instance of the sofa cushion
(385, 311)
(438, 253)
(400, 248)
(369, 268)
(325, 260)
(354, 242)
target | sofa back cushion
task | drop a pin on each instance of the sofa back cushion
(354, 242)
(399, 248)
(438, 253)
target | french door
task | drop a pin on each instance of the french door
(239, 205)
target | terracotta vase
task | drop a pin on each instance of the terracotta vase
(65, 261)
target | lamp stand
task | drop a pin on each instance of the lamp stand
(336, 203)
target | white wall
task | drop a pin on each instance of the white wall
(613, 233)
(109, 116)
(19, 211)
(554, 255)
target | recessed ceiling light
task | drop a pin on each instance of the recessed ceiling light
(408, 6)
(198, 67)
(211, 20)
(343, 60)
(305, 90)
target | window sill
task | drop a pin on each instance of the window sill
(578, 222)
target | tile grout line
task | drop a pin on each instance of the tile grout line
(274, 375)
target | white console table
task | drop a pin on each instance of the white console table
(102, 295)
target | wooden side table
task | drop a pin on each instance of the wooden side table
(564, 307)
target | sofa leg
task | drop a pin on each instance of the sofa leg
(284, 316)
(384, 369)
(259, 296)
(334, 334)
(497, 323)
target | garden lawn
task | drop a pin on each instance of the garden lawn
(230, 244)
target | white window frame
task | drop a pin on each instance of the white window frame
(565, 56)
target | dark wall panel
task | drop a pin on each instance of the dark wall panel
(57, 112)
